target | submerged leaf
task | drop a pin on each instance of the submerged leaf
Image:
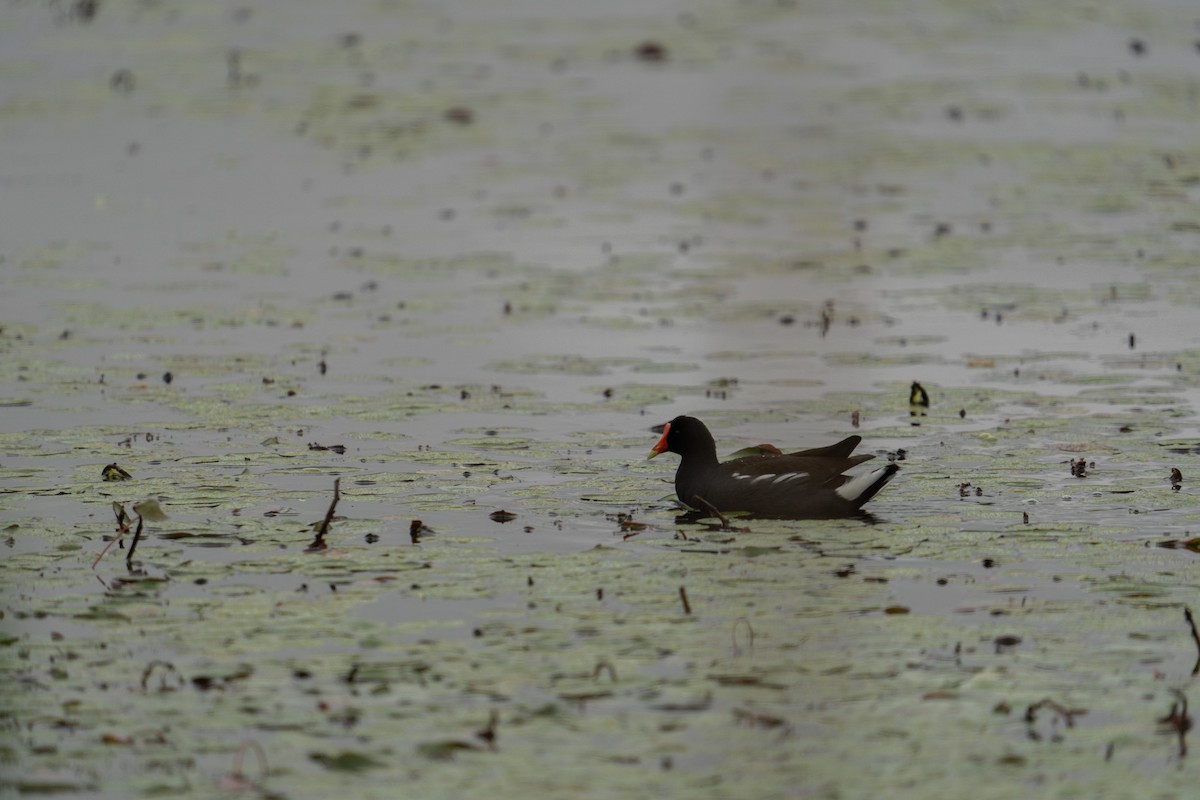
(446, 749)
(346, 761)
(150, 510)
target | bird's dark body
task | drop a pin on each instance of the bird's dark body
(803, 484)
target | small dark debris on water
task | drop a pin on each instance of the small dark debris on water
(459, 115)
(1060, 713)
(114, 473)
(1176, 479)
(1006, 643)
(84, 10)
(417, 529)
(1137, 47)
(235, 77)
(1132, 341)
(502, 516)
(335, 448)
(168, 378)
(488, 732)
(168, 669)
(1079, 468)
(651, 52)
(1025, 517)
(753, 719)
(122, 81)
(628, 523)
(322, 367)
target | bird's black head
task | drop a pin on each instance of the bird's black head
(685, 436)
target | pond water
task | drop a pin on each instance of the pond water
(461, 258)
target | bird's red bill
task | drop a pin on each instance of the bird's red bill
(661, 447)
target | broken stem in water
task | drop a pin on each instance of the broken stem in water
(687, 607)
(713, 509)
(1187, 615)
(137, 534)
(319, 542)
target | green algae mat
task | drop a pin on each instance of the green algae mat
(331, 338)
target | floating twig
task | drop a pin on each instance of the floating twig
(318, 543)
(256, 748)
(604, 666)
(169, 669)
(122, 528)
(749, 634)
(713, 509)
(687, 607)
(236, 780)
(754, 719)
(1067, 715)
(488, 732)
(1187, 615)
(146, 510)
(1178, 720)
(137, 535)
(152, 512)
(122, 517)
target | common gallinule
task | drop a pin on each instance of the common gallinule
(806, 484)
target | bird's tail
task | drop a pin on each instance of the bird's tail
(861, 488)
